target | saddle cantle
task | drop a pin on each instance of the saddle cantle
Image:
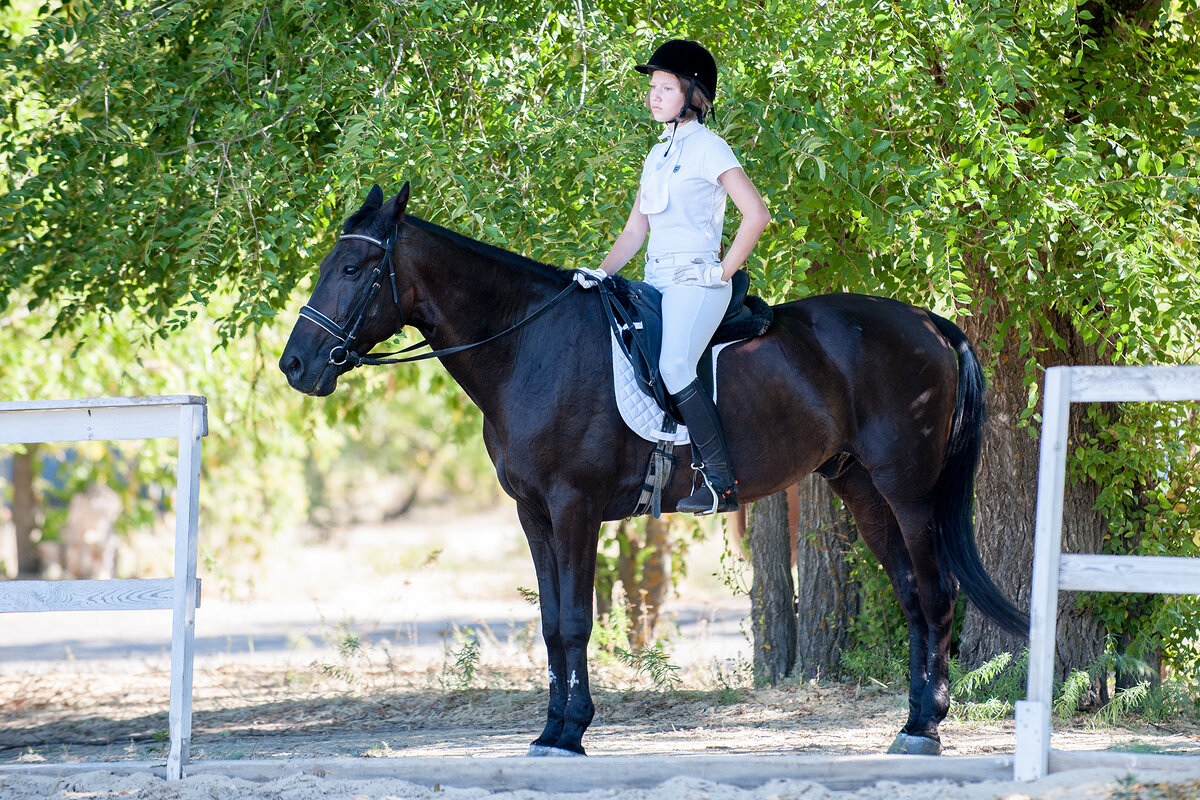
(634, 310)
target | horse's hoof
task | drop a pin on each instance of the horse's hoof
(543, 751)
(905, 744)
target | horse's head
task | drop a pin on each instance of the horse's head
(356, 302)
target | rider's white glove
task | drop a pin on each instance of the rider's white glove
(703, 274)
(588, 278)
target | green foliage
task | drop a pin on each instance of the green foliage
(462, 661)
(879, 632)
(990, 692)
(351, 656)
(887, 666)
(1169, 700)
(654, 664)
(734, 569)
(893, 144)
(1146, 464)
(183, 166)
(1069, 698)
(611, 633)
(610, 643)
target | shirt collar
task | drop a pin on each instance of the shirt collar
(681, 131)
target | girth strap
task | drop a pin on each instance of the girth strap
(659, 472)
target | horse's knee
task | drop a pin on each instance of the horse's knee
(551, 635)
(576, 631)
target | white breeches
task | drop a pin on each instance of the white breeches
(691, 315)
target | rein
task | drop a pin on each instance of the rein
(344, 353)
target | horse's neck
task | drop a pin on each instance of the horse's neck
(465, 296)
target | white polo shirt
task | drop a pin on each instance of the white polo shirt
(681, 195)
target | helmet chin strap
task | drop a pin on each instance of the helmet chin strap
(681, 117)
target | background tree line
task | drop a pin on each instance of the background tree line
(172, 172)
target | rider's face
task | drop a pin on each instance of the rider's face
(665, 96)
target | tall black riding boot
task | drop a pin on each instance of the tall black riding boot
(718, 492)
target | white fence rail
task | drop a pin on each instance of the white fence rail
(1055, 571)
(181, 417)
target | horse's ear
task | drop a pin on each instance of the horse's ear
(370, 206)
(400, 204)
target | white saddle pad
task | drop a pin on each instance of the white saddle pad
(640, 412)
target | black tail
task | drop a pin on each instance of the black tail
(954, 495)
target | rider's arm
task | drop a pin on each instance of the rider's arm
(755, 218)
(630, 241)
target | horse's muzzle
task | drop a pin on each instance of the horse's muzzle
(302, 379)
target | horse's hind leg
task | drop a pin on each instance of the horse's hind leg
(881, 531)
(938, 593)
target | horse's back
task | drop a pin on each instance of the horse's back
(868, 339)
(853, 373)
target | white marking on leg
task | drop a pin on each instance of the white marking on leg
(553, 677)
(574, 680)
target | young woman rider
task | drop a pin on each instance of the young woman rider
(680, 207)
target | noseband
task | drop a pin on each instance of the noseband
(348, 335)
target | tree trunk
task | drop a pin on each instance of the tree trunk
(1006, 488)
(643, 566)
(1006, 491)
(827, 595)
(25, 513)
(655, 585)
(772, 593)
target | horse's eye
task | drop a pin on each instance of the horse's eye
(351, 270)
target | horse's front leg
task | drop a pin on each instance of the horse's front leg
(538, 533)
(569, 564)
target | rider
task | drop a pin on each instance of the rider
(680, 204)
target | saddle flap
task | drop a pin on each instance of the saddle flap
(634, 310)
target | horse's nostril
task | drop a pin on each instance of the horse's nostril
(291, 366)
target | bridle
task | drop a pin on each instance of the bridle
(347, 336)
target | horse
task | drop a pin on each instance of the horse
(883, 399)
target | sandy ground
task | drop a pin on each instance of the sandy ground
(353, 650)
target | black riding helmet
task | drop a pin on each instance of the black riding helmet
(690, 61)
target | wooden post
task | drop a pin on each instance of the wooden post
(1033, 714)
(1054, 571)
(180, 417)
(183, 613)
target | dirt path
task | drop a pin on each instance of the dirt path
(359, 649)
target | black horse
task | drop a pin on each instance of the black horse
(883, 399)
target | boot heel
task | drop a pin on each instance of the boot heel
(708, 499)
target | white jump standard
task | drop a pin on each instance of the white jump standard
(182, 417)
(1055, 571)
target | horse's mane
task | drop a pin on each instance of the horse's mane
(506, 258)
